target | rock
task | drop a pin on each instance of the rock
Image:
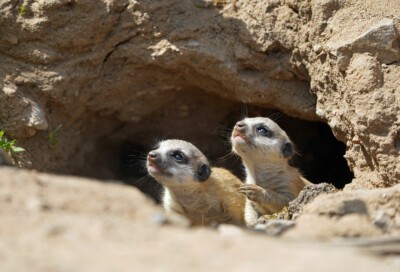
(36, 118)
(275, 227)
(203, 3)
(317, 48)
(90, 220)
(173, 218)
(20, 115)
(159, 219)
(306, 196)
(364, 73)
(350, 214)
(382, 220)
(380, 40)
(229, 230)
(5, 159)
(162, 48)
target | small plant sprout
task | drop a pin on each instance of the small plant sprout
(53, 135)
(283, 214)
(21, 10)
(9, 146)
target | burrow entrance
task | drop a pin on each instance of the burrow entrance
(206, 120)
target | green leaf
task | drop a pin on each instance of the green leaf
(57, 129)
(17, 149)
(7, 145)
(53, 135)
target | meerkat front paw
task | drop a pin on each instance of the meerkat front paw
(253, 192)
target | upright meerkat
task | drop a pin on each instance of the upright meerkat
(192, 188)
(265, 150)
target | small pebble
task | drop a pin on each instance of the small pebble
(317, 48)
(229, 230)
(275, 227)
(159, 219)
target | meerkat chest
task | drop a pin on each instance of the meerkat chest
(203, 208)
(275, 180)
(203, 204)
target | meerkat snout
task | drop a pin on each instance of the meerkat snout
(152, 155)
(240, 125)
(203, 172)
(239, 132)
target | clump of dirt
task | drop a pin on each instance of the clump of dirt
(307, 195)
(359, 213)
(278, 223)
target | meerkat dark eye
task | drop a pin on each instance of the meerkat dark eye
(178, 156)
(263, 131)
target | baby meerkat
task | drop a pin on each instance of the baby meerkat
(192, 188)
(265, 150)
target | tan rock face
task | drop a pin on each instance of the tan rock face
(83, 80)
(97, 67)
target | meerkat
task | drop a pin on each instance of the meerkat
(271, 182)
(192, 188)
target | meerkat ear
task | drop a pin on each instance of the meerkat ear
(203, 172)
(287, 149)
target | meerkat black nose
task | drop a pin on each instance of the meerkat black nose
(152, 155)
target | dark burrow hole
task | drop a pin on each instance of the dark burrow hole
(206, 120)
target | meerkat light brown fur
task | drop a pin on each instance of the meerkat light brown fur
(271, 183)
(192, 188)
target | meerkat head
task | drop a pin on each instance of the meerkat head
(178, 163)
(261, 139)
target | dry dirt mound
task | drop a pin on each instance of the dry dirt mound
(58, 223)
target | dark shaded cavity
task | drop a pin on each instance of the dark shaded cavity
(206, 120)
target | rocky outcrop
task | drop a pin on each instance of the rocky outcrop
(306, 196)
(360, 213)
(63, 223)
(95, 67)
(78, 79)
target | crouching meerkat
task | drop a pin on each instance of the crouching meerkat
(265, 150)
(192, 188)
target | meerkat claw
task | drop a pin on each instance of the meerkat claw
(252, 192)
